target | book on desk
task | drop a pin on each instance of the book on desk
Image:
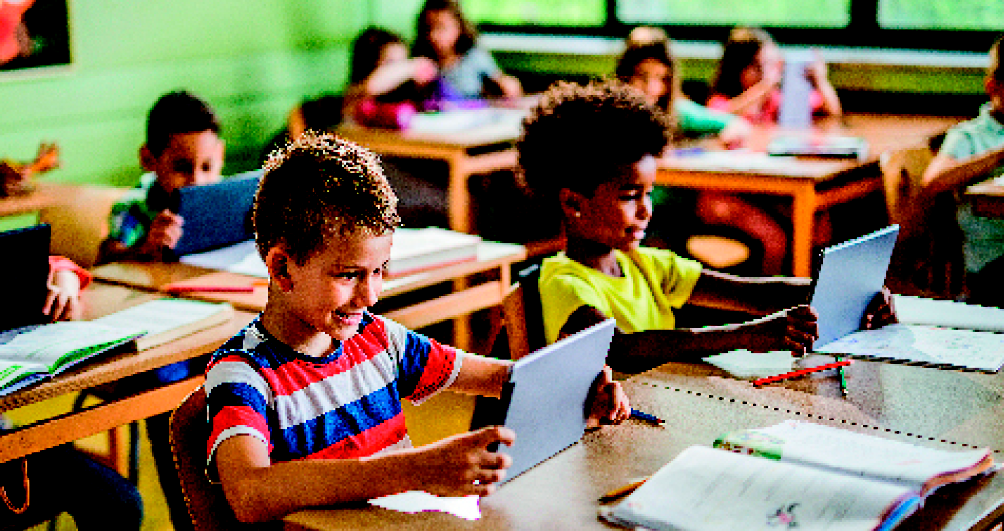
(795, 474)
(413, 251)
(34, 353)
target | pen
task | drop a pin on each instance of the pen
(622, 491)
(647, 417)
(801, 372)
(207, 289)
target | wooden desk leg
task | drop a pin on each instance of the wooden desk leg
(462, 325)
(803, 211)
(458, 197)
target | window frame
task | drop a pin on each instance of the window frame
(862, 31)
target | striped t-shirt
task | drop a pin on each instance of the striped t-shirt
(344, 405)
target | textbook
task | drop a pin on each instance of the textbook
(795, 475)
(40, 352)
(32, 354)
(414, 250)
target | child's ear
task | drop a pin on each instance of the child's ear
(571, 203)
(147, 159)
(277, 261)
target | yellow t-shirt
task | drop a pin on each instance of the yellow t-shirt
(655, 281)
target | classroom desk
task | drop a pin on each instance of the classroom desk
(494, 260)
(44, 195)
(481, 149)
(699, 405)
(812, 184)
(101, 299)
(987, 198)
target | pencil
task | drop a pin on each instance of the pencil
(623, 490)
(801, 372)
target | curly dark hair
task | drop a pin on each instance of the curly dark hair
(317, 186)
(578, 137)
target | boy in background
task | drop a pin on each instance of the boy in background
(974, 151)
(309, 394)
(182, 148)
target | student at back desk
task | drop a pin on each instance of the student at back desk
(63, 479)
(182, 148)
(601, 181)
(973, 151)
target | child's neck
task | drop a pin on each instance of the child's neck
(293, 332)
(593, 254)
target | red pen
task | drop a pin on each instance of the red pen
(208, 289)
(801, 372)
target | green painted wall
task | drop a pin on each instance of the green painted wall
(253, 61)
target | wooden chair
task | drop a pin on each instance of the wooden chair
(928, 258)
(207, 505)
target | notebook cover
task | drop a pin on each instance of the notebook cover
(26, 276)
(217, 214)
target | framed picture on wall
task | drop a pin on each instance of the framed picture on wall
(34, 36)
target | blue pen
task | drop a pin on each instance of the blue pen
(647, 417)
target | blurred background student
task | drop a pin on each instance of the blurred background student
(467, 73)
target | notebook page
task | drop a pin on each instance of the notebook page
(951, 314)
(929, 345)
(856, 453)
(709, 489)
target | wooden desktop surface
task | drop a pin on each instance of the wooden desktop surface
(101, 299)
(700, 404)
(812, 183)
(481, 149)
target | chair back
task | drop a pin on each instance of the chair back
(902, 172)
(80, 222)
(207, 505)
(524, 313)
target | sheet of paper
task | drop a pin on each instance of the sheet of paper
(951, 314)
(159, 315)
(416, 501)
(925, 344)
(708, 489)
(742, 363)
(240, 258)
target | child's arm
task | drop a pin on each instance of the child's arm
(947, 174)
(260, 491)
(754, 295)
(753, 98)
(66, 279)
(793, 329)
(817, 75)
(510, 87)
(388, 77)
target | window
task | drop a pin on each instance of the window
(969, 25)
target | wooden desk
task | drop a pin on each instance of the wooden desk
(482, 149)
(987, 198)
(813, 184)
(699, 405)
(494, 259)
(102, 299)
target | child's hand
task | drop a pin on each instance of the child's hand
(880, 311)
(793, 329)
(46, 159)
(62, 303)
(165, 231)
(815, 71)
(609, 404)
(461, 465)
(423, 70)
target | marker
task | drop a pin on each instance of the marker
(209, 289)
(622, 491)
(843, 379)
(647, 417)
(802, 372)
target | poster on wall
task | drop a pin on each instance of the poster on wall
(34, 36)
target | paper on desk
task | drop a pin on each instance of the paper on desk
(742, 363)
(416, 501)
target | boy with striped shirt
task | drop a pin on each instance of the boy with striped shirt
(304, 403)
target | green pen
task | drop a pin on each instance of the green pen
(843, 378)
